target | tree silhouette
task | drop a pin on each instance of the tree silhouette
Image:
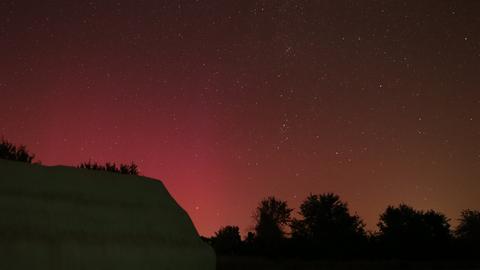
(227, 240)
(469, 227)
(468, 232)
(327, 227)
(328, 230)
(249, 246)
(413, 233)
(11, 152)
(271, 216)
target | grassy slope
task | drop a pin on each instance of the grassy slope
(66, 218)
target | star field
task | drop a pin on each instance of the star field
(232, 101)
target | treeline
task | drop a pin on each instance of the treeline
(327, 230)
(9, 151)
(131, 169)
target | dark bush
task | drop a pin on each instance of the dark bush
(406, 232)
(227, 240)
(468, 233)
(131, 169)
(11, 152)
(469, 227)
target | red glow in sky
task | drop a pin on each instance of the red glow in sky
(228, 103)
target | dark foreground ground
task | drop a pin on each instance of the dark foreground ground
(252, 263)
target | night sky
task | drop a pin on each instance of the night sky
(228, 102)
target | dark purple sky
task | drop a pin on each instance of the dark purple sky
(231, 101)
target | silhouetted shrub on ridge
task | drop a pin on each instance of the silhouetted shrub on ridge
(131, 169)
(11, 152)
